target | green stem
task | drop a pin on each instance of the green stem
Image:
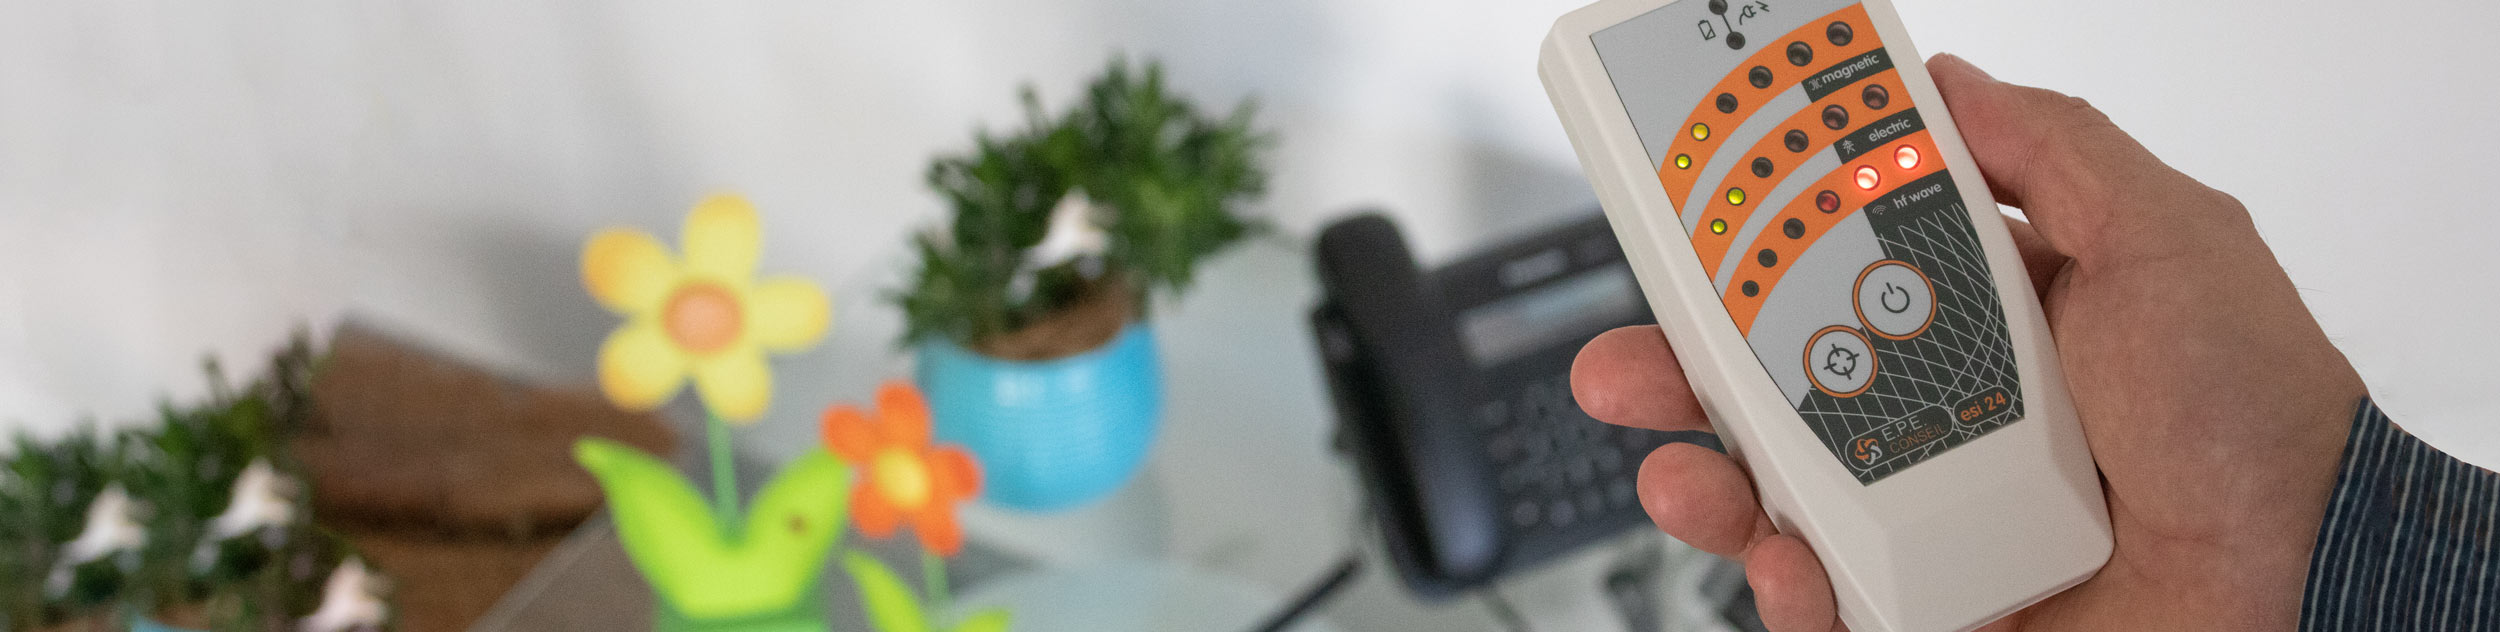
(933, 573)
(724, 477)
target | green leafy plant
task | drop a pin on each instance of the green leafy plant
(178, 476)
(190, 461)
(44, 497)
(1162, 181)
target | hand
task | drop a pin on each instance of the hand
(2215, 407)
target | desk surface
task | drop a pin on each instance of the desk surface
(1242, 494)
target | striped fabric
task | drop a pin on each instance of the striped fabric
(2411, 539)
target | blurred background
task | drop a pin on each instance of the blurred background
(208, 177)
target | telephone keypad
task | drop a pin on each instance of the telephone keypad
(1556, 467)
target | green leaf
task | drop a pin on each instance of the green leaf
(993, 620)
(688, 557)
(891, 606)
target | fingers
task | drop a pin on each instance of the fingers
(2042, 261)
(1702, 498)
(1628, 377)
(2063, 162)
(1789, 586)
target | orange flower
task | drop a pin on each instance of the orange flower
(903, 477)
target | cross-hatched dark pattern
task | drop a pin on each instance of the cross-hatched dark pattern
(1965, 352)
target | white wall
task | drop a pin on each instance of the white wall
(186, 176)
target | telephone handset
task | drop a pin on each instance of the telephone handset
(1453, 390)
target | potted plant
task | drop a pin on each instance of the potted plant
(194, 456)
(190, 524)
(1030, 309)
(51, 578)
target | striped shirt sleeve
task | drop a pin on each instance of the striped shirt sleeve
(2409, 539)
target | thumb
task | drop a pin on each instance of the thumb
(2085, 184)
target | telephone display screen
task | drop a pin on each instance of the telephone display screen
(1820, 208)
(1540, 318)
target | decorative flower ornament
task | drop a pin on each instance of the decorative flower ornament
(1072, 237)
(111, 529)
(903, 476)
(350, 600)
(262, 498)
(702, 316)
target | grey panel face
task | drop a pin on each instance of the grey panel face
(1665, 61)
(1813, 194)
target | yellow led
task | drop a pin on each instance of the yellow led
(1683, 161)
(1701, 131)
(1718, 227)
(1736, 197)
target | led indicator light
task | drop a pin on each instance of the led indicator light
(1736, 197)
(1718, 227)
(1906, 156)
(1701, 131)
(1827, 201)
(1683, 161)
(1868, 178)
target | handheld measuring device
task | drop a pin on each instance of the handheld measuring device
(1850, 310)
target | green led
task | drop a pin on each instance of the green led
(1718, 227)
(1736, 197)
(1683, 161)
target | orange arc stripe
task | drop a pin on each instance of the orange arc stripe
(1679, 182)
(1713, 246)
(1817, 223)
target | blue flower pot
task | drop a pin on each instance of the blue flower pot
(148, 624)
(1054, 434)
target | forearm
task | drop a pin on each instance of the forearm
(2411, 539)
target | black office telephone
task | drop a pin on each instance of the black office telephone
(1454, 398)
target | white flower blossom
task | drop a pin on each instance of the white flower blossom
(111, 528)
(350, 600)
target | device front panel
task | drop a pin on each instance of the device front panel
(1822, 212)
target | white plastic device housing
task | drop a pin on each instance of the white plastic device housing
(1953, 543)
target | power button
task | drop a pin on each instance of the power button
(1895, 300)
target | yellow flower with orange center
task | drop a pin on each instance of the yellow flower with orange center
(904, 476)
(702, 316)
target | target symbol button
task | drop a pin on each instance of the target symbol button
(1840, 361)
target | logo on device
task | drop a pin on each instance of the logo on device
(1867, 450)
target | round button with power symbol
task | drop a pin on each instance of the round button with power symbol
(1895, 300)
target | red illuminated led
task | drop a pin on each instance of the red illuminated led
(1906, 156)
(1868, 178)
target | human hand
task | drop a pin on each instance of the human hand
(2214, 405)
